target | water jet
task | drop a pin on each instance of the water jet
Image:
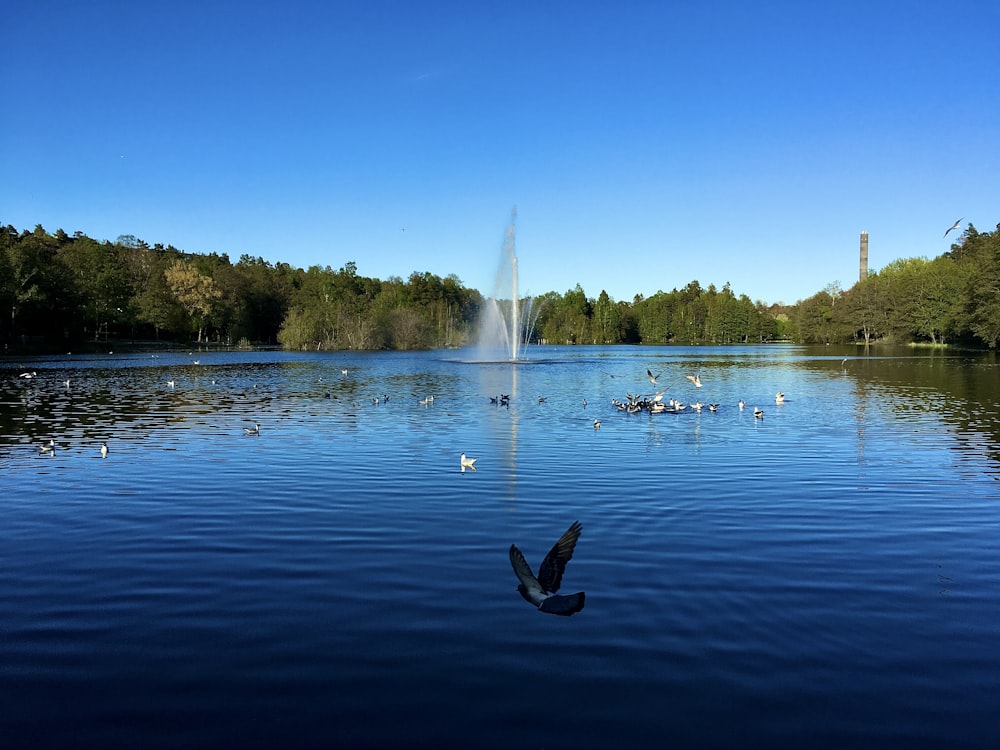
(506, 323)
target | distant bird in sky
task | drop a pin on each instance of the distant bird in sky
(467, 463)
(541, 591)
(953, 226)
(696, 379)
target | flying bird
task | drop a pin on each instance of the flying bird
(652, 377)
(467, 463)
(541, 591)
(696, 379)
(953, 226)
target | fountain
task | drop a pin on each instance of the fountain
(506, 325)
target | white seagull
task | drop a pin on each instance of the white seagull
(779, 398)
(541, 591)
(49, 447)
(255, 430)
(467, 463)
(696, 379)
(953, 226)
(651, 376)
(104, 450)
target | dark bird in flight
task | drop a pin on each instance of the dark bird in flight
(541, 591)
(953, 226)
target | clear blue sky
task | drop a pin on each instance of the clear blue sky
(645, 144)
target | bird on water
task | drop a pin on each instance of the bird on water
(541, 591)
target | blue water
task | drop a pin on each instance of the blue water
(826, 577)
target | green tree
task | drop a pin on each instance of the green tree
(195, 292)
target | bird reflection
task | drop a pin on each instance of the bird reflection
(541, 591)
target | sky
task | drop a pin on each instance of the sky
(644, 144)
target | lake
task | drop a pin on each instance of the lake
(825, 577)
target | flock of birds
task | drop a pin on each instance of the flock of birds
(654, 403)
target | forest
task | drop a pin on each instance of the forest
(66, 292)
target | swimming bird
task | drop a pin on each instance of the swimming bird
(66, 383)
(541, 591)
(652, 377)
(426, 401)
(170, 384)
(696, 379)
(742, 404)
(597, 424)
(713, 407)
(758, 413)
(255, 430)
(104, 450)
(953, 226)
(467, 463)
(28, 375)
(779, 398)
(49, 447)
(344, 371)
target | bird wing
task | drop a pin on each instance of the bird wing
(523, 572)
(554, 565)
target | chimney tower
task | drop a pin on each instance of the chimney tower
(864, 257)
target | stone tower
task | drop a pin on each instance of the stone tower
(864, 257)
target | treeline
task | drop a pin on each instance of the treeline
(687, 316)
(58, 290)
(954, 298)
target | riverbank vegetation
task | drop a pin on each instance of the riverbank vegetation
(60, 291)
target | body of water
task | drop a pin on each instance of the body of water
(825, 577)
